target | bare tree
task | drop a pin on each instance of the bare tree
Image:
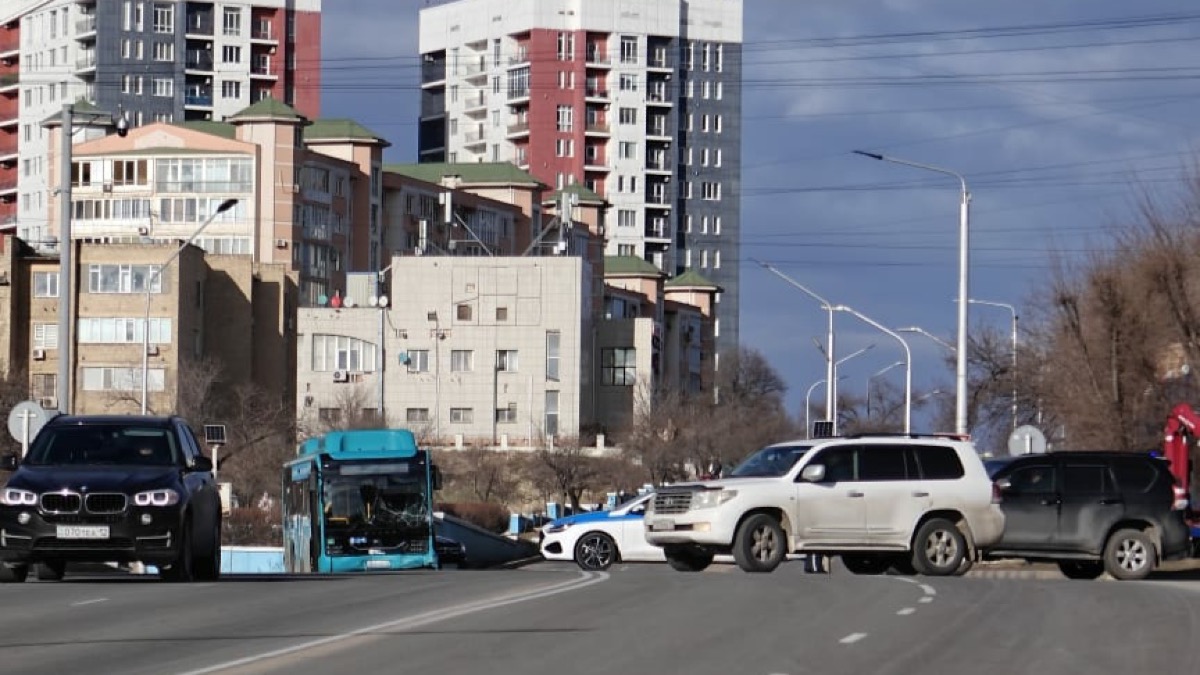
(564, 467)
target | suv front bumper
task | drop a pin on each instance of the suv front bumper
(123, 537)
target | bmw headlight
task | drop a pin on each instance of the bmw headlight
(18, 497)
(166, 497)
(707, 499)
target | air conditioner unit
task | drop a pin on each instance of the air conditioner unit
(281, 243)
(296, 188)
(48, 402)
(341, 376)
(152, 350)
(143, 231)
(39, 354)
(107, 187)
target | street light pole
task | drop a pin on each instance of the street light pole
(1013, 311)
(65, 337)
(437, 376)
(830, 391)
(156, 275)
(808, 406)
(931, 336)
(964, 228)
(871, 379)
(907, 359)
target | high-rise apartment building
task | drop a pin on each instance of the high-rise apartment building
(640, 102)
(153, 61)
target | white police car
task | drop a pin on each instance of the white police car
(597, 539)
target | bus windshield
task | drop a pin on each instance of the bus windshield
(376, 507)
(773, 460)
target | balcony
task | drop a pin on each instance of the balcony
(199, 27)
(596, 58)
(263, 35)
(597, 94)
(8, 188)
(659, 166)
(199, 59)
(474, 72)
(85, 28)
(85, 61)
(518, 96)
(198, 101)
(658, 97)
(521, 59)
(659, 62)
(10, 44)
(9, 120)
(657, 234)
(596, 129)
(518, 130)
(475, 105)
(9, 83)
(473, 140)
(262, 72)
(596, 165)
(658, 201)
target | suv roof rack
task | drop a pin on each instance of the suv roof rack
(897, 434)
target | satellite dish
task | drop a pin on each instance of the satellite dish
(373, 301)
(383, 301)
(1026, 440)
(347, 301)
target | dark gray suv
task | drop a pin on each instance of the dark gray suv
(1091, 512)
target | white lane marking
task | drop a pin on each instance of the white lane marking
(906, 580)
(88, 602)
(926, 599)
(852, 638)
(906, 611)
(929, 590)
(584, 580)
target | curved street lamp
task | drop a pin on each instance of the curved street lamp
(222, 208)
(907, 358)
(1012, 310)
(964, 228)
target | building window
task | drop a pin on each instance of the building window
(416, 415)
(626, 249)
(627, 82)
(710, 191)
(418, 361)
(564, 147)
(629, 49)
(45, 336)
(618, 367)
(553, 341)
(461, 415)
(339, 352)
(164, 87)
(122, 379)
(566, 118)
(506, 361)
(628, 116)
(164, 51)
(462, 361)
(43, 385)
(231, 89)
(45, 284)
(551, 413)
(233, 21)
(463, 312)
(502, 314)
(627, 150)
(164, 18)
(128, 330)
(566, 47)
(124, 278)
(231, 54)
(626, 218)
(506, 415)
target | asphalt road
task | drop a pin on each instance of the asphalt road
(546, 619)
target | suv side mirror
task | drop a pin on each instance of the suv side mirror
(9, 463)
(202, 463)
(813, 473)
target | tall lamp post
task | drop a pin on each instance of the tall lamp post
(931, 336)
(380, 300)
(438, 336)
(91, 118)
(907, 359)
(1012, 310)
(871, 379)
(830, 391)
(960, 408)
(155, 276)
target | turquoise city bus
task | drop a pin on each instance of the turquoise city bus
(357, 501)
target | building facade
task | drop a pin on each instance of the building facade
(152, 61)
(640, 104)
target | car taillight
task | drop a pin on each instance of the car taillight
(996, 496)
(1181, 499)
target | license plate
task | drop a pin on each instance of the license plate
(83, 532)
(662, 525)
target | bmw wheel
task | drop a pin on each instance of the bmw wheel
(596, 551)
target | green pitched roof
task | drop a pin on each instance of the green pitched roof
(690, 279)
(341, 130)
(222, 129)
(586, 196)
(267, 108)
(629, 265)
(471, 173)
(81, 109)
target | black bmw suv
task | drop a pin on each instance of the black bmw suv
(1091, 512)
(111, 488)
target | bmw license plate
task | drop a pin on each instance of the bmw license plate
(82, 532)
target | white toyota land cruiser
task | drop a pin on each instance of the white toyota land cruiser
(920, 503)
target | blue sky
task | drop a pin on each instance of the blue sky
(1057, 113)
